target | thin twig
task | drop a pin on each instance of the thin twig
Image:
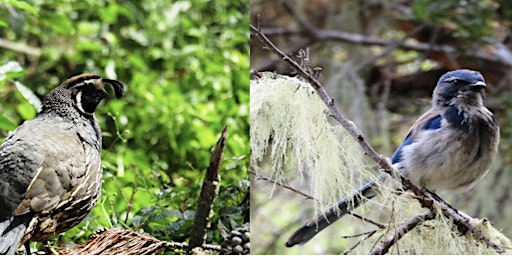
(267, 65)
(335, 113)
(279, 183)
(379, 225)
(371, 233)
(130, 203)
(361, 234)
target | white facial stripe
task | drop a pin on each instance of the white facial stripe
(79, 100)
(88, 81)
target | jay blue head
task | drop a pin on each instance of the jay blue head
(454, 143)
(459, 88)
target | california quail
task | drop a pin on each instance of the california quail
(50, 167)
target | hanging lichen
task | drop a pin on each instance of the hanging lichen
(290, 125)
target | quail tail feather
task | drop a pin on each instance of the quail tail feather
(10, 235)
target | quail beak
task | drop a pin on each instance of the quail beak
(104, 93)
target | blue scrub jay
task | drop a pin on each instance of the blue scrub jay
(449, 148)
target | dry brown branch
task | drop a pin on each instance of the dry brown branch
(311, 33)
(209, 192)
(424, 197)
(401, 231)
(367, 233)
(267, 65)
(117, 241)
(314, 32)
(335, 113)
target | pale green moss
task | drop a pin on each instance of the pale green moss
(290, 125)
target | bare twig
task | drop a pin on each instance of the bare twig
(270, 63)
(401, 231)
(423, 196)
(379, 225)
(368, 235)
(130, 203)
(279, 183)
(335, 113)
(361, 234)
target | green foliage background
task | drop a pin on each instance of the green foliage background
(186, 67)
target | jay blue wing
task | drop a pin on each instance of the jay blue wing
(449, 148)
(431, 124)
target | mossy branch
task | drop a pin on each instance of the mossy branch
(401, 231)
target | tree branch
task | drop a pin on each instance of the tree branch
(353, 38)
(209, 192)
(383, 248)
(20, 47)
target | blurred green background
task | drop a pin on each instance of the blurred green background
(186, 67)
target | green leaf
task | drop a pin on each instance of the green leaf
(23, 6)
(26, 110)
(60, 24)
(29, 95)
(6, 123)
(10, 69)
